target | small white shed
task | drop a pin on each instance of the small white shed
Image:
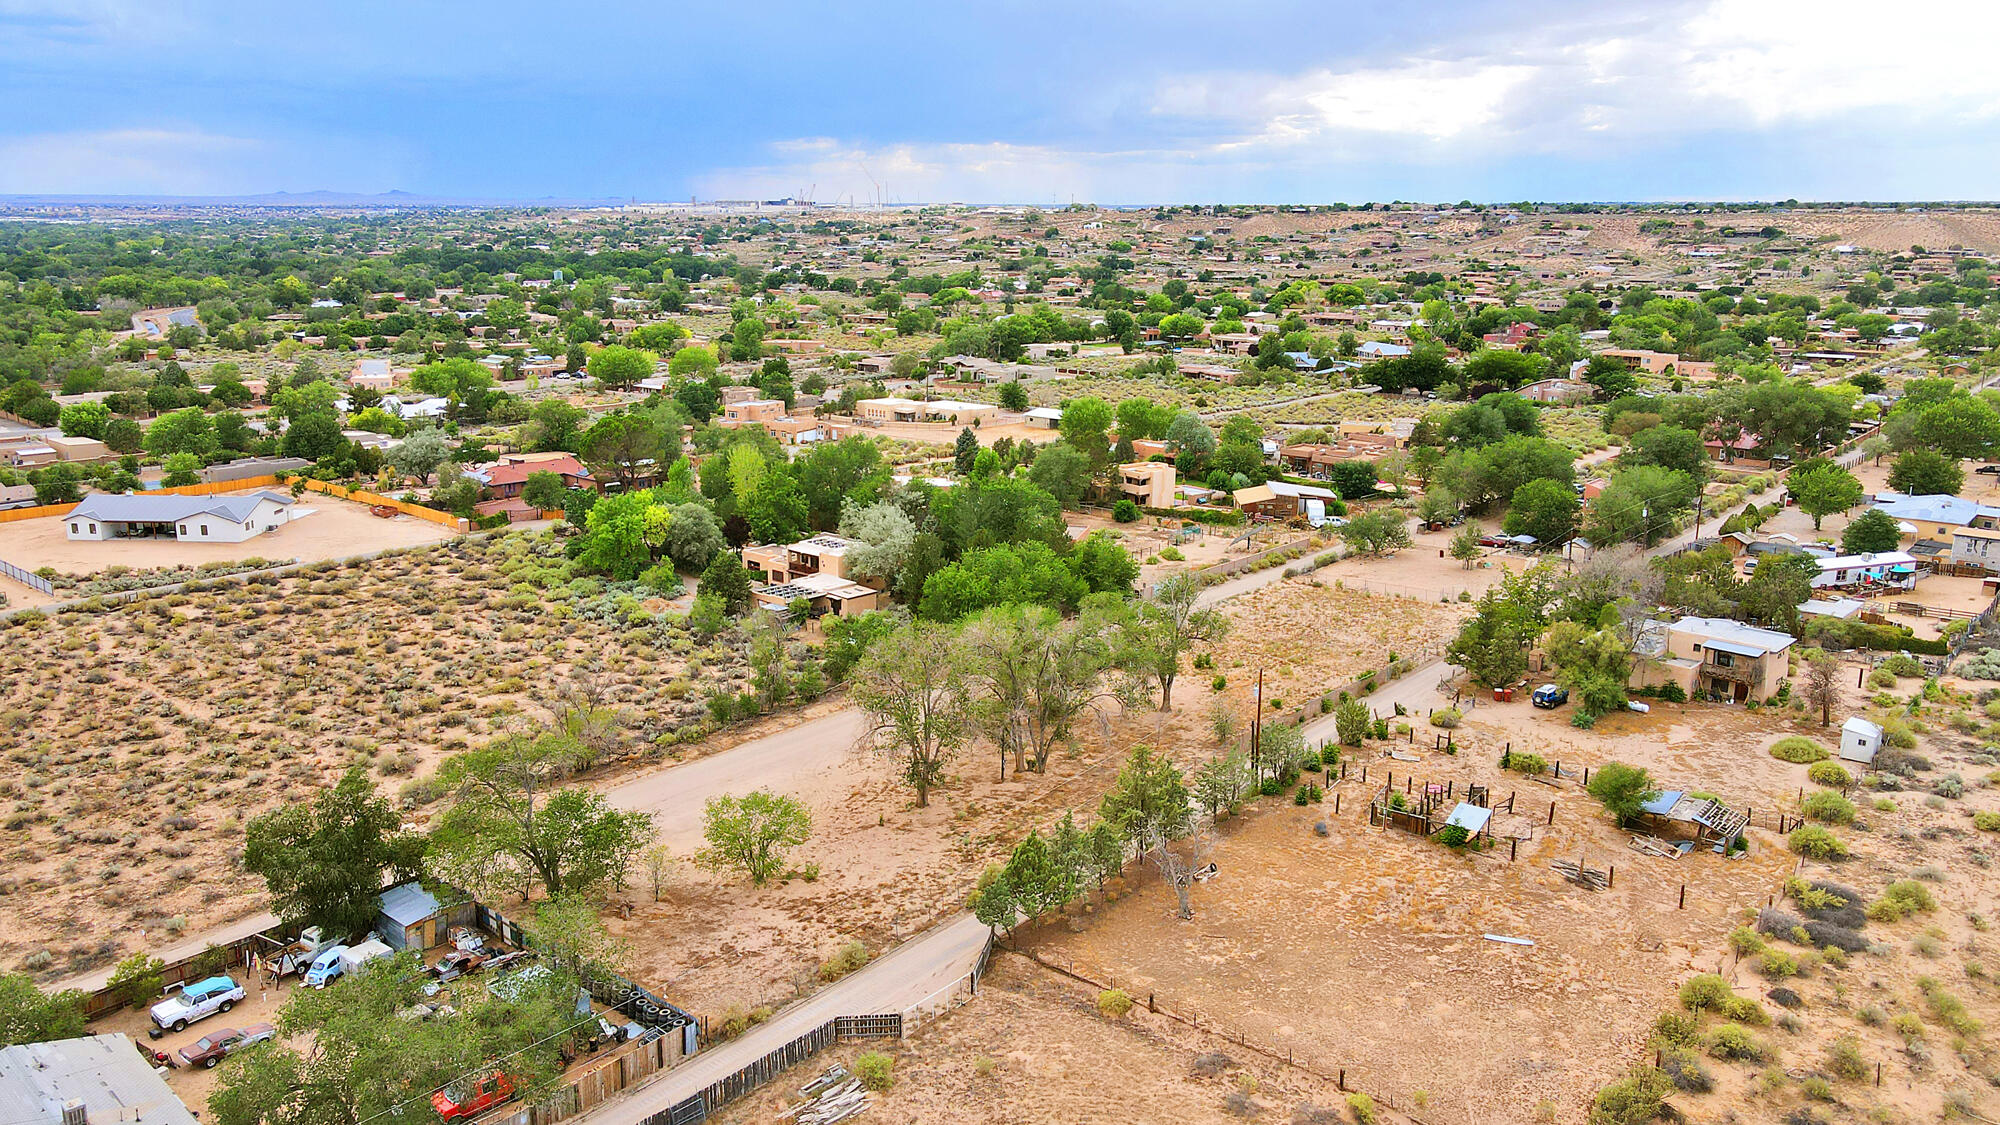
(1859, 740)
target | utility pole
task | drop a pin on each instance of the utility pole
(1257, 726)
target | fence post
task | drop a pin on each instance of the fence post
(1611, 879)
(1513, 848)
(1684, 897)
(1552, 812)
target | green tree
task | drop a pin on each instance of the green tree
(555, 426)
(183, 431)
(1871, 531)
(1545, 509)
(421, 453)
(459, 381)
(1623, 790)
(315, 437)
(619, 367)
(1167, 624)
(568, 935)
(1823, 488)
(1149, 807)
(752, 833)
(347, 1056)
(123, 435)
(916, 703)
(1465, 545)
(1377, 532)
(181, 469)
(964, 450)
(1594, 664)
(1061, 471)
(508, 822)
(1013, 396)
(696, 363)
(1774, 593)
(84, 419)
(1086, 424)
(29, 1015)
(1926, 472)
(627, 446)
(543, 491)
(728, 579)
(1350, 722)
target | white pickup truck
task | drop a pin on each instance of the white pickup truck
(189, 1003)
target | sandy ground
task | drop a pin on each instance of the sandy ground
(332, 529)
(1031, 1048)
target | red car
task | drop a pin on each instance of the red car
(472, 1097)
(209, 1050)
(1495, 541)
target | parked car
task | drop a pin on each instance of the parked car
(191, 1002)
(1495, 541)
(1550, 696)
(1989, 470)
(357, 957)
(472, 1096)
(325, 968)
(505, 960)
(210, 1049)
(456, 964)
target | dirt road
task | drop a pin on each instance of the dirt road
(902, 979)
(811, 759)
(806, 760)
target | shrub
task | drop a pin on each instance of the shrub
(1677, 1029)
(1113, 1002)
(1950, 785)
(1635, 1099)
(1742, 1009)
(1986, 821)
(876, 1070)
(1910, 897)
(851, 956)
(1452, 836)
(1362, 1107)
(1902, 664)
(1447, 719)
(1777, 964)
(1683, 1068)
(1125, 511)
(1745, 941)
(1828, 807)
(1829, 773)
(1799, 750)
(1705, 992)
(1521, 762)
(1734, 1041)
(1815, 842)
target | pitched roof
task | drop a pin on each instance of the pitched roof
(406, 904)
(140, 507)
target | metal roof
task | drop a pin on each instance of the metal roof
(406, 904)
(113, 507)
(104, 1072)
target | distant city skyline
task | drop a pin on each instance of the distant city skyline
(1113, 103)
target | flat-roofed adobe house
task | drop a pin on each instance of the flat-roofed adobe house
(191, 519)
(1712, 656)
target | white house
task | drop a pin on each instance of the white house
(193, 519)
(1884, 568)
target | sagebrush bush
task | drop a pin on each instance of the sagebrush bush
(1828, 807)
(876, 1070)
(1705, 992)
(1829, 773)
(1114, 1002)
(1815, 842)
(1799, 750)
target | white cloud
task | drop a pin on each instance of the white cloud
(129, 162)
(1613, 88)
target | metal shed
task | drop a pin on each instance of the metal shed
(410, 918)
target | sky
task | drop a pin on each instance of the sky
(1256, 101)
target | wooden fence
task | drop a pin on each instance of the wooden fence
(839, 1029)
(598, 1081)
(376, 499)
(237, 954)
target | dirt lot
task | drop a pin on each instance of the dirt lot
(1363, 950)
(332, 528)
(1031, 1049)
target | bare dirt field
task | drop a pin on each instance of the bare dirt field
(332, 528)
(1364, 950)
(1032, 1049)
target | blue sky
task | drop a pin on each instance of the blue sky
(1019, 102)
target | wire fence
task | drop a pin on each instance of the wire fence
(26, 578)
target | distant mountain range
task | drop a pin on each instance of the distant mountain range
(386, 199)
